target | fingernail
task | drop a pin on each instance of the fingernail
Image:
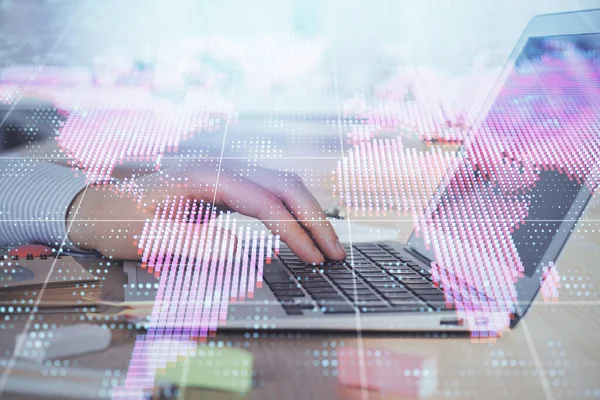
(317, 259)
(340, 249)
(318, 256)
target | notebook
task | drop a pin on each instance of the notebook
(48, 283)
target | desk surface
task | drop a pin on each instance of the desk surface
(551, 354)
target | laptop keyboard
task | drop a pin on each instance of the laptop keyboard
(378, 278)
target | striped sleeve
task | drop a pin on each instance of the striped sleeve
(34, 199)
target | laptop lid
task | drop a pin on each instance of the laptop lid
(526, 171)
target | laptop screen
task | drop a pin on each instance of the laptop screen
(524, 177)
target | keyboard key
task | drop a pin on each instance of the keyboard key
(341, 275)
(389, 287)
(375, 274)
(283, 285)
(278, 279)
(340, 306)
(359, 262)
(396, 252)
(401, 298)
(326, 295)
(288, 256)
(338, 309)
(398, 269)
(405, 302)
(356, 256)
(312, 281)
(289, 293)
(378, 310)
(362, 246)
(405, 275)
(380, 280)
(361, 291)
(413, 264)
(380, 257)
(293, 310)
(363, 296)
(385, 259)
(316, 290)
(433, 297)
(409, 308)
(412, 280)
(296, 263)
(300, 270)
(347, 282)
(387, 281)
(273, 274)
(308, 306)
(336, 272)
(430, 291)
(317, 284)
(420, 285)
(368, 270)
(308, 274)
(370, 303)
(364, 293)
(398, 294)
(357, 286)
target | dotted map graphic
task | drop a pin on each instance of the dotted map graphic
(545, 118)
(189, 246)
(476, 211)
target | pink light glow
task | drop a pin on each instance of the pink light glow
(421, 100)
(192, 251)
(115, 136)
(477, 260)
(546, 117)
(550, 283)
(382, 176)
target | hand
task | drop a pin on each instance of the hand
(106, 221)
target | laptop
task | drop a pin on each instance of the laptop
(388, 286)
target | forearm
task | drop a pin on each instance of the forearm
(34, 201)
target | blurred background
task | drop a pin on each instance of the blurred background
(273, 46)
(452, 35)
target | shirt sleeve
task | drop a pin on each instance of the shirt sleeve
(34, 200)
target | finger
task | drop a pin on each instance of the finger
(305, 208)
(246, 197)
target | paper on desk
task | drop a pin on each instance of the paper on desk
(224, 369)
(66, 284)
(406, 371)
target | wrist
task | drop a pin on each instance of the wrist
(79, 219)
